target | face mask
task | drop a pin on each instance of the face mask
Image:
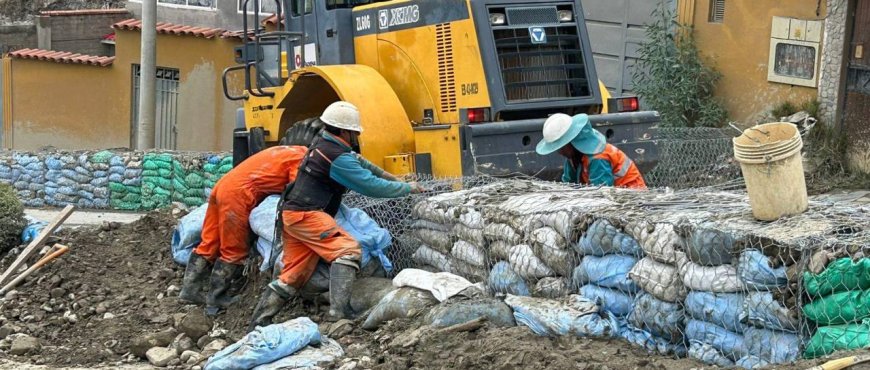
(354, 142)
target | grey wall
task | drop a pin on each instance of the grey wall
(226, 15)
(616, 31)
(78, 33)
(15, 37)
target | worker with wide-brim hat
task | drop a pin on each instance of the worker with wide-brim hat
(589, 159)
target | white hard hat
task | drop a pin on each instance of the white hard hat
(342, 115)
(559, 130)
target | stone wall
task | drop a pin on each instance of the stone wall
(831, 75)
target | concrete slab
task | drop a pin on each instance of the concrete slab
(84, 217)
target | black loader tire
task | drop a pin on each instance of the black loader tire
(302, 133)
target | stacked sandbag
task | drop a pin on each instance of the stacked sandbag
(714, 303)
(432, 230)
(80, 179)
(839, 306)
(469, 253)
(214, 168)
(125, 182)
(608, 254)
(772, 328)
(29, 184)
(657, 318)
(98, 193)
(157, 178)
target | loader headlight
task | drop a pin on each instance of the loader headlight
(497, 19)
(566, 16)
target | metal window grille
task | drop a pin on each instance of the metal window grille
(166, 124)
(717, 11)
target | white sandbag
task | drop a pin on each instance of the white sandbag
(525, 263)
(424, 224)
(437, 240)
(474, 236)
(718, 279)
(501, 232)
(551, 287)
(549, 237)
(659, 279)
(468, 253)
(442, 285)
(471, 218)
(471, 272)
(500, 250)
(567, 223)
(428, 256)
(561, 261)
(664, 244)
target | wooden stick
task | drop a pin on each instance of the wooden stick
(59, 251)
(37, 242)
(466, 326)
(842, 363)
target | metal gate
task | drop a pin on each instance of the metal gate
(616, 32)
(166, 121)
(856, 117)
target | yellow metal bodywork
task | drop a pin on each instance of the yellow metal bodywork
(398, 76)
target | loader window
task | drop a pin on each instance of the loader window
(295, 5)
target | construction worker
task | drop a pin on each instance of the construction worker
(310, 232)
(589, 159)
(226, 231)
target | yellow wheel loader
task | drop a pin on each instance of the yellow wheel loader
(445, 87)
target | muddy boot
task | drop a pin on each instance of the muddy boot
(341, 277)
(274, 297)
(222, 276)
(195, 276)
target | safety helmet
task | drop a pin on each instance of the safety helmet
(342, 115)
(562, 129)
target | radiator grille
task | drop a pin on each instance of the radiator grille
(446, 78)
(532, 15)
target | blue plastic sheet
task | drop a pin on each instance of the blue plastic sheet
(722, 309)
(311, 357)
(755, 270)
(609, 271)
(266, 344)
(762, 310)
(187, 235)
(616, 302)
(707, 354)
(752, 362)
(652, 343)
(33, 228)
(503, 279)
(660, 318)
(602, 238)
(547, 317)
(776, 347)
(730, 344)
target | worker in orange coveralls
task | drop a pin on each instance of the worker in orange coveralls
(226, 231)
(310, 232)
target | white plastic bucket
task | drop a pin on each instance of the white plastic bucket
(770, 159)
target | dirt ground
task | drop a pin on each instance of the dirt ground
(114, 285)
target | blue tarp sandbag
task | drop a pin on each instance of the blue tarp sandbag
(311, 357)
(612, 300)
(707, 354)
(777, 347)
(652, 343)
(710, 247)
(400, 303)
(458, 311)
(602, 238)
(574, 315)
(610, 271)
(722, 309)
(503, 279)
(187, 235)
(266, 344)
(762, 310)
(729, 343)
(755, 270)
(660, 318)
(752, 362)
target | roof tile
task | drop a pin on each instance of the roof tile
(170, 29)
(62, 57)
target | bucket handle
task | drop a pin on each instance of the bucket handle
(766, 133)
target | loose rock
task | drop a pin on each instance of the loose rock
(141, 345)
(182, 343)
(186, 355)
(24, 344)
(340, 328)
(195, 324)
(160, 356)
(214, 347)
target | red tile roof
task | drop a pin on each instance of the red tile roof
(60, 13)
(236, 34)
(62, 57)
(170, 29)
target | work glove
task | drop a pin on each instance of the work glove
(416, 188)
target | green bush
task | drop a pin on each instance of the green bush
(12, 220)
(671, 77)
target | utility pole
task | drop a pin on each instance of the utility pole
(147, 76)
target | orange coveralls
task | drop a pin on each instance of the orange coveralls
(226, 229)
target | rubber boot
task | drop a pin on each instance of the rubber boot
(274, 297)
(341, 279)
(222, 276)
(195, 276)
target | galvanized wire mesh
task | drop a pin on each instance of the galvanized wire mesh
(693, 157)
(681, 273)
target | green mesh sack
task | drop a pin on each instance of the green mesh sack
(210, 183)
(227, 161)
(159, 191)
(149, 165)
(101, 157)
(164, 165)
(149, 204)
(158, 182)
(124, 206)
(178, 168)
(839, 308)
(193, 201)
(134, 189)
(117, 196)
(165, 173)
(179, 185)
(117, 187)
(132, 198)
(165, 157)
(147, 189)
(150, 173)
(840, 275)
(194, 193)
(224, 169)
(829, 339)
(194, 180)
(210, 168)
